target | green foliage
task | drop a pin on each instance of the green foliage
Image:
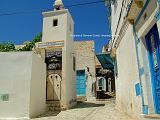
(29, 45)
(6, 47)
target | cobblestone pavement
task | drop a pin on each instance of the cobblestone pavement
(95, 110)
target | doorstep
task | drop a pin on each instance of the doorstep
(152, 116)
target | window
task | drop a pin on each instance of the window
(55, 22)
(4, 97)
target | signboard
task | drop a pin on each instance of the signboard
(54, 60)
(50, 44)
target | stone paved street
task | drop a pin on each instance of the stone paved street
(94, 110)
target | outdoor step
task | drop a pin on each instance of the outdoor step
(152, 116)
(53, 106)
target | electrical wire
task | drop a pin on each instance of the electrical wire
(69, 6)
(80, 4)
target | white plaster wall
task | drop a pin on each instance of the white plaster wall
(115, 15)
(38, 86)
(126, 99)
(70, 81)
(56, 33)
(17, 80)
(124, 57)
(147, 78)
(15, 76)
(118, 16)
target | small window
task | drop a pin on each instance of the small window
(5, 97)
(55, 22)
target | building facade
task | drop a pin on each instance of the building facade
(85, 68)
(135, 28)
(57, 49)
(22, 85)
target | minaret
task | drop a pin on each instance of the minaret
(57, 38)
(58, 24)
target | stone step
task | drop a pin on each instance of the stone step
(53, 106)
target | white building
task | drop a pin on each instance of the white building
(135, 28)
(57, 49)
(22, 85)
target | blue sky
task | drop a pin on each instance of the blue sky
(89, 19)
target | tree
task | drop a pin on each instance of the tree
(28, 46)
(6, 47)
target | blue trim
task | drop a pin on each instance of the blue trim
(141, 71)
(138, 89)
(151, 65)
(157, 16)
(80, 83)
(142, 11)
(138, 62)
(145, 109)
(151, 68)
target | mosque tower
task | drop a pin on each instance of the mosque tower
(57, 47)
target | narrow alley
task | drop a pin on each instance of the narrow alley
(80, 60)
(93, 110)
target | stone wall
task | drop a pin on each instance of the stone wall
(85, 60)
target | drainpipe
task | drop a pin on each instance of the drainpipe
(136, 39)
(144, 107)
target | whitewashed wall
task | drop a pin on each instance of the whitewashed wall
(127, 60)
(19, 74)
(70, 73)
(37, 86)
(49, 30)
(126, 99)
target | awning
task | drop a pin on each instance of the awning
(106, 61)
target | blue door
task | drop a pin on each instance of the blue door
(153, 46)
(81, 83)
